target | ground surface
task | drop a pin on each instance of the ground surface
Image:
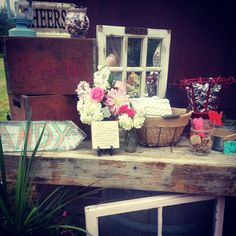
(4, 105)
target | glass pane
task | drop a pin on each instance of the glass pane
(151, 84)
(113, 51)
(154, 52)
(116, 75)
(138, 223)
(188, 219)
(134, 50)
(133, 80)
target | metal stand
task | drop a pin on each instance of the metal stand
(110, 150)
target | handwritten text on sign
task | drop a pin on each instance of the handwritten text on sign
(58, 135)
(105, 134)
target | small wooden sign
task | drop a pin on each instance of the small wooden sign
(105, 135)
(58, 135)
(230, 147)
(49, 17)
(136, 30)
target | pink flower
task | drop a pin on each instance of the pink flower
(130, 112)
(64, 214)
(125, 109)
(97, 94)
(119, 85)
(115, 99)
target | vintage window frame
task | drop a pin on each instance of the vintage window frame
(92, 213)
(103, 31)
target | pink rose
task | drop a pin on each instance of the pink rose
(97, 94)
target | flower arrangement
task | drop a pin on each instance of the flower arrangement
(106, 100)
(129, 119)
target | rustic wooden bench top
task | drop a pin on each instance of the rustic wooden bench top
(158, 169)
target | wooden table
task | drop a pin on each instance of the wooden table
(158, 169)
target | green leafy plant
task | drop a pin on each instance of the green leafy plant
(21, 216)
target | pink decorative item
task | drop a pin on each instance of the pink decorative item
(200, 136)
(204, 93)
(198, 124)
(215, 117)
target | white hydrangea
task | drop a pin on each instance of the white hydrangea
(100, 77)
(89, 111)
(138, 120)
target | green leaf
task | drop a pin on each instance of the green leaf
(5, 209)
(30, 216)
(70, 227)
(3, 187)
(22, 182)
(110, 79)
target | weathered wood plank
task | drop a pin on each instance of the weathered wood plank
(58, 135)
(156, 169)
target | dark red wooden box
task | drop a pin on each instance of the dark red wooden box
(46, 107)
(48, 65)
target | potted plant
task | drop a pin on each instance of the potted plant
(21, 216)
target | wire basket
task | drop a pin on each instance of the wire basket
(159, 131)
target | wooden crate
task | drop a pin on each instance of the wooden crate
(48, 65)
(46, 107)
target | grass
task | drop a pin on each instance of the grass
(4, 104)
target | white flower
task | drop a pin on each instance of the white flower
(83, 89)
(89, 111)
(101, 76)
(138, 120)
(80, 105)
(125, 122)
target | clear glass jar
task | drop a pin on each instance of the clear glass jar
(200, 141)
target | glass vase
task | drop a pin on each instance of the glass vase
(201, 140)
(130, 140)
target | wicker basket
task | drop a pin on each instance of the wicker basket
(159, 131)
